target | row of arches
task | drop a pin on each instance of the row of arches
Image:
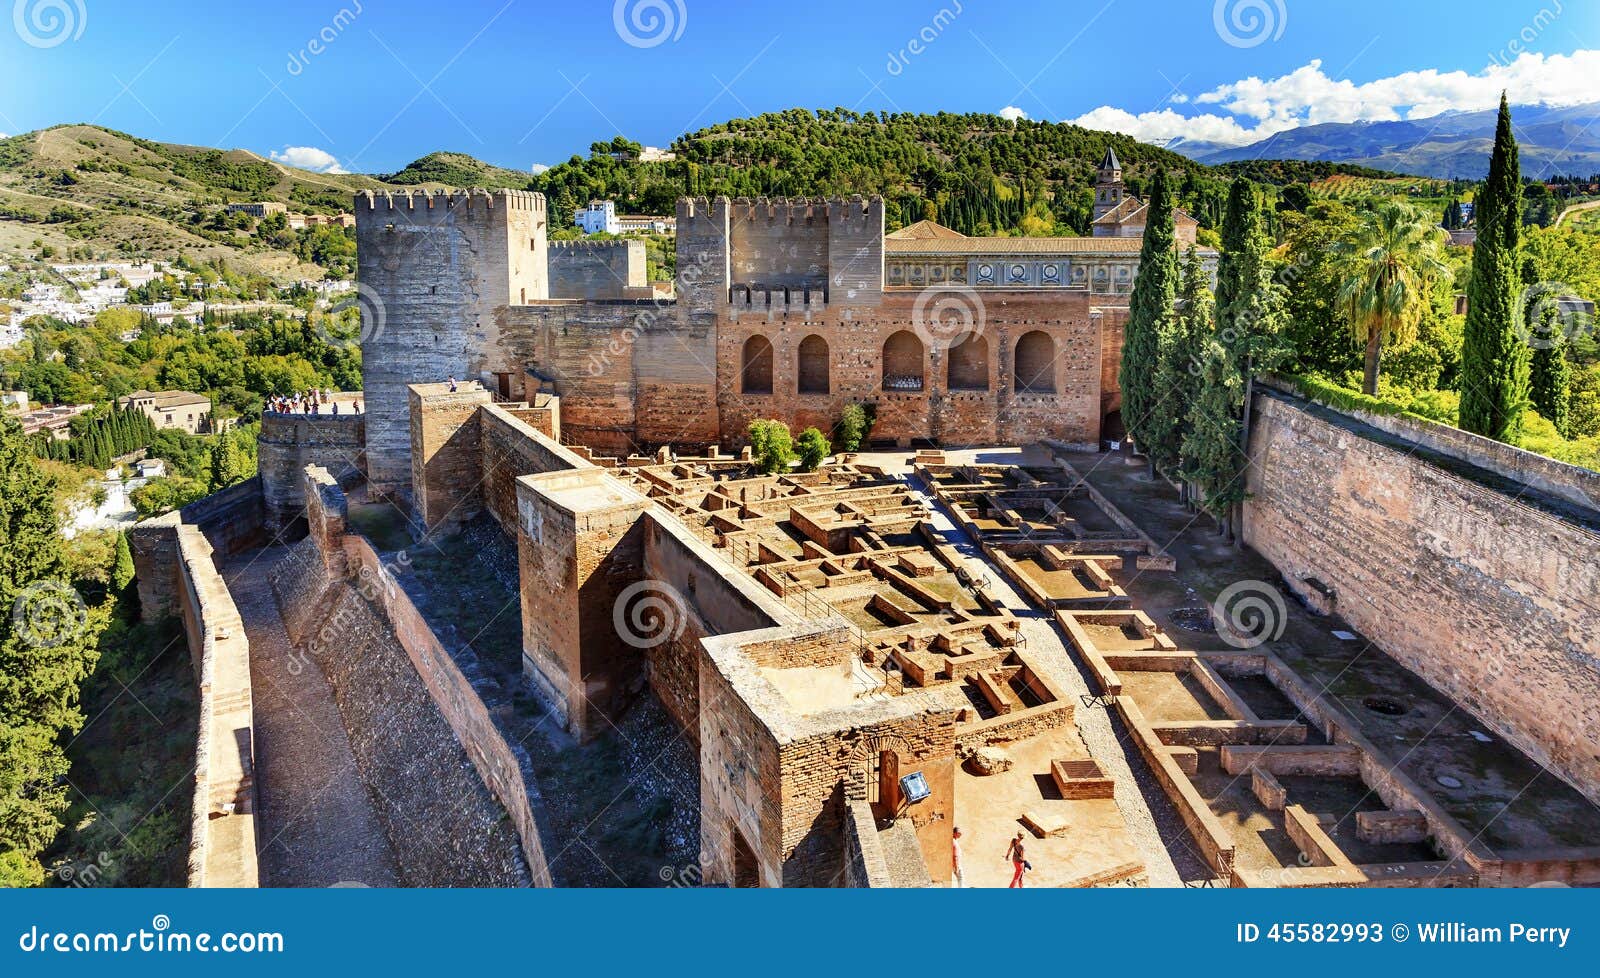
(903, 362)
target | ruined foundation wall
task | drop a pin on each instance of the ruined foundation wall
(1490, 599)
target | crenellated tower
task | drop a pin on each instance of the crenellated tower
(435, 269)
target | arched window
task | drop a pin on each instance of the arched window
(1035, 366)
(902, 363)
(813, 365)
(969, 364)
(755, 367)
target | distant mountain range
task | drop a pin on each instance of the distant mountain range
(1457, 144)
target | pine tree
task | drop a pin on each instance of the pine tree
(47, 649)
(1150, 311)
(1494, 360)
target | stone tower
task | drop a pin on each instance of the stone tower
(1108, 189)
(437, 271)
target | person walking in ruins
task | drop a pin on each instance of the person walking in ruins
(957, 877)
(1019, 862)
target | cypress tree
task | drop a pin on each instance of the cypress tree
(1549, 374)
(1494, 360)
(122, 566)
(1211, 444)
(1150, 311)
(47, 649)
(1195, 324)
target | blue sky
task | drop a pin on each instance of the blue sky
(528, 81)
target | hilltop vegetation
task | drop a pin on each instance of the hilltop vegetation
(91, 192)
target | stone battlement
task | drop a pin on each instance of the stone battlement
(620, 245)
(476, 198)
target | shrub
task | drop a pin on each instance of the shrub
(771, 445)
(813, 448)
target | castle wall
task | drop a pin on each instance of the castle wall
(452, 294)
(598, 270)
(779, 244)
(1490, 599)
(451, 793)
(290, 442)
(177, 576)
(999, 415)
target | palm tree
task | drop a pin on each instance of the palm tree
(1386, 268)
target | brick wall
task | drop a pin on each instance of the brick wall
(1492, 600)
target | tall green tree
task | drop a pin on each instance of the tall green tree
(47, 648)
(1150, 313)
(1387, 267)
(1494, 359)
(1213, 460)
(1549, 374)
(227, 462)
(1196, 321)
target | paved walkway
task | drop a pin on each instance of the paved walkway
(1153, 824)
(317, 825)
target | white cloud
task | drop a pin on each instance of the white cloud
(309, 158)
(1011, 113)
(540, 167)
(1257, 108)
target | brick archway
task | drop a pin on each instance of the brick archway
(812, 365)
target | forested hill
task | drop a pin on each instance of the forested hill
(977, 173)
